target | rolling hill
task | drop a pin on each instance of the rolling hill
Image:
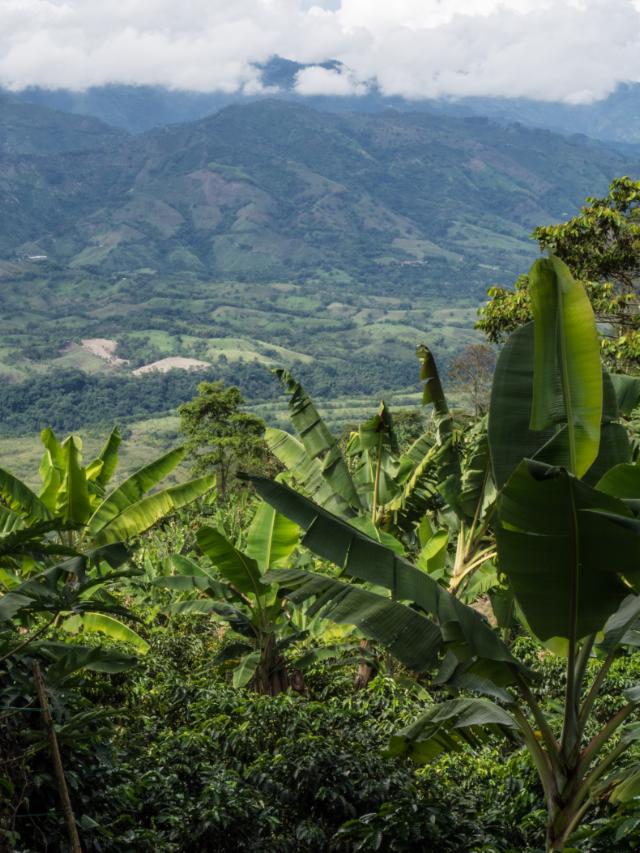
(276, 189)
(268, 233)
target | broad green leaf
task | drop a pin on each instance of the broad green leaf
(246, 669)
(12, 603)
(449, 726)
(418, 474)
(69, 659)
(366, 526)
(240, 570)
(231, 652)
(140, 516)
(271, 538)
(510, 438)
(448, 459)
(10, 521)
(106, 461)
(307, 472)
(567, 373)
(627, 389)
(565, 548)
(73, 503)
(621, 481)
(619, 623)
(410, 637)
(21, 499)
(113, 628)
(463, 629)
(181, 565)
(433, 554)
(318, 441)
(133, 489)
(375, 456)
(51, 470)
(476, 473)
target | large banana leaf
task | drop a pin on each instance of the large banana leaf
(627, 389)
(113, 628)
(476, 471)
(410, 637)
(567, 550)
(463, 630)
(418, 476)
(307, 472)
(620, 623)
(21, 499)
(375, 453)
(73, 504)
(138, 517)
(103, 467)
(238, 569)
(449, 726)
(68, 659)
(319, 442)
(621, 481)
(133, 489)
(509, 433)
(52, 468)
(271, 538)
(567, 373)
(447, 473)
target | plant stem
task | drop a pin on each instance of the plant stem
(376, 482)
(550, 742)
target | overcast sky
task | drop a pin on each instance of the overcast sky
(571, 50)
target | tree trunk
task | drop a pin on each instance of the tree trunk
(365, 671)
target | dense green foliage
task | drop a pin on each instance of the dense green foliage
(602, 248)
(182, 761)
(68, 399)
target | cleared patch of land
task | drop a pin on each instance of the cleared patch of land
(171, 363)
(104, 348)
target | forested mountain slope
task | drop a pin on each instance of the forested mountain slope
(276, 189)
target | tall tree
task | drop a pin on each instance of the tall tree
(601, 247)
(218, 434)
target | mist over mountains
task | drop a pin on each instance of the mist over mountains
(138, 108)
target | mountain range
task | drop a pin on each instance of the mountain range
(614, 119)
(277, 189)
(266, 233)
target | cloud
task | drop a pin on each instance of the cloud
(571, 50)
(316, 80)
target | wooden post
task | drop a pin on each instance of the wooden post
(57, 760)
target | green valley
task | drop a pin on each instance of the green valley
(266, 234)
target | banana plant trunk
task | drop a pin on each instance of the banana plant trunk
(564, 814)
(365, 671)
(271, 676)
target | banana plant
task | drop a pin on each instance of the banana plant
(229, 584)
(568, 542)
(76, 514)
(445, 472)
(79, 496)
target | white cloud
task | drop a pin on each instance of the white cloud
(316, 80)
(573, 50)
